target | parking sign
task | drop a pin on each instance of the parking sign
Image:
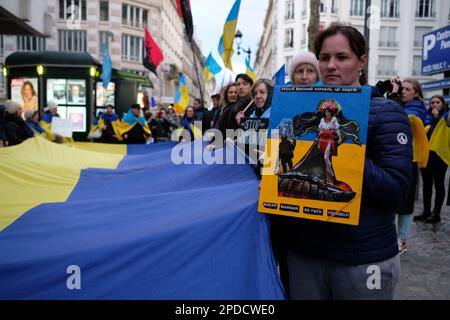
(436, 51)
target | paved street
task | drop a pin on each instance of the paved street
(425, 267)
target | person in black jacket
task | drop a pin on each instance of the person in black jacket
(202, 114)
(336, 261)
(215, 111)
(16, 129)
(245, 102)
(230, 98)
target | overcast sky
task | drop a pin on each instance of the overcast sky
(209, 17)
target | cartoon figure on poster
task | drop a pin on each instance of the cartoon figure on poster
(313, 177)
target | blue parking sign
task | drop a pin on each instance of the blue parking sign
(436, 51)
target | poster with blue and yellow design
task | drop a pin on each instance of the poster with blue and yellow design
(314, 159)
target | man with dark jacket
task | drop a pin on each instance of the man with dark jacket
(215, 112)
(16, 129)
(202, 114)
(244, 86)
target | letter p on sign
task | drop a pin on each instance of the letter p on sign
(428, 43)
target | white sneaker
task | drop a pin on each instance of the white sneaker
(402, 246)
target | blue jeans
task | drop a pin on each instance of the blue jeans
(403, 225)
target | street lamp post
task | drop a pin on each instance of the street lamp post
(238, 37)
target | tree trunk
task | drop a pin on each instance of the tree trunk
(314, 21)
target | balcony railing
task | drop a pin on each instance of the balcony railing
(357, 13)
(391, 15)
(386, 72)
(390, 44)
(425, 15)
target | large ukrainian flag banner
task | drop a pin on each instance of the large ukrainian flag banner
(226, 41)
(182, 96)
(95, 221)
(211, 68)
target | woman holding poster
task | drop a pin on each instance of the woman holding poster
(330, 260)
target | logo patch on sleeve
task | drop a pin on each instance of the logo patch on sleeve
(402, 138)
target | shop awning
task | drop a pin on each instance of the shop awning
(127, 75)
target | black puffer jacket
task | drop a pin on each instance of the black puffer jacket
(387, 178)
(16, 129)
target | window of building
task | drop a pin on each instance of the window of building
(288, 62)
(145, 17)
(72, 40)
(104, 10)
(2, 80)
(425, 9)
(304, 36)
(134, 16)
(388, 37)
(418, 35)
(305, 7)
(289, 38)
(30, 43)
(389, 8)
(417, 66)
(357, 7)
(333, 6)
(289, 10)
(132, 48)
(322, 6)
(72, 9)
(103, 38)
(386, 66)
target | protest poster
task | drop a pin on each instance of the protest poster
(315, 151)
(62, 127)
(251, 137)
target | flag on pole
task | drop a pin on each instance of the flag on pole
(106, 66)
(153, 55)
(279, 76)
(249, 70)
(226, 41)
(211, 68)
(184, 10)
(182, 96)
(153, 103)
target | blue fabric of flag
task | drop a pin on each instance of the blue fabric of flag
(149, 229)
(279, 76)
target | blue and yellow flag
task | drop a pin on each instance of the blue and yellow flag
(279, 76)
(182, 96)
(94, 221)
(211, 68)
(226, 41)
(129, 120)
(249, 70)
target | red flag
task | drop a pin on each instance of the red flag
(153, 56)
(184, 10)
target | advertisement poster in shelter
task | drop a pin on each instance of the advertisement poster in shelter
(314, 159)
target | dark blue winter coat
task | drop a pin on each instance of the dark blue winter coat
(387, 178)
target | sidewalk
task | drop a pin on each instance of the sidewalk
(425, 267)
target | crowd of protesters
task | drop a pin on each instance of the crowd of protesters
(316, 260)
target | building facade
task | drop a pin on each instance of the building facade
(81, 25)
(395, 35)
